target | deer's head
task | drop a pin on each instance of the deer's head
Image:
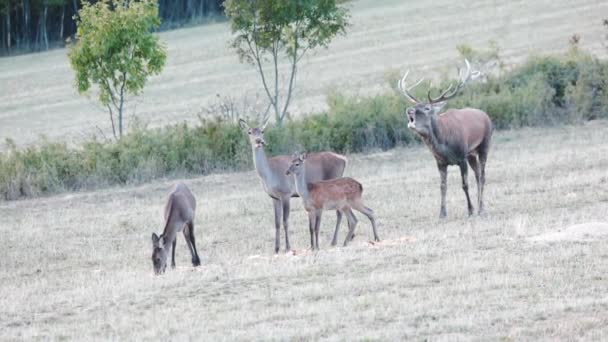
(419, 115)
(256, 134)
(297, 163)
(159, 255)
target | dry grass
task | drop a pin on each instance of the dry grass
(77, 266)
(37, 94)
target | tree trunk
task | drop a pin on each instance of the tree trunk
(212, 7)
(122, 101)
(190, 11)
(74, 27)
(37, 37)
(61, 23)
(277, 111)
(8, 26)
(44, 31)
(26, 22)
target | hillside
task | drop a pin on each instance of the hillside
(37, 97)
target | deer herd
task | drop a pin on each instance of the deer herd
(454, 137)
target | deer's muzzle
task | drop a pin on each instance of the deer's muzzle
(260, 142)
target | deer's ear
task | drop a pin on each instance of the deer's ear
(303, 155)
(438, 106)
(243, 124)
(155, 240)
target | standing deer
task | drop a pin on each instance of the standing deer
(280, 187)
(341, 194)
(454, 137)
(179, 215)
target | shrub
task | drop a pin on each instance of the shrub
(542, 91)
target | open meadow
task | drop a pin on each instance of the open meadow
(37, 95)
(77, 266)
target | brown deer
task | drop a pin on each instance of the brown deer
(280, 187)
(454, 137)
(341, 194)
(179, 216)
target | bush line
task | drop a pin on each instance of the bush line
(545, 90)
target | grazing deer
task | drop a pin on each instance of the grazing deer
(280, 187)
(341, 194)
(454, 137)
(179, 215)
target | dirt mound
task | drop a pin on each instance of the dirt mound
(590, 231)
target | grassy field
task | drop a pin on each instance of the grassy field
(37, 94)
(78, 266)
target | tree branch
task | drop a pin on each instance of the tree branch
(275, 56)
(294, 63)
(122, 100)
(256, 57)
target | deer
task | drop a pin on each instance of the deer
(179, 216)
(280, 187)
(454, 136)
(342, 194)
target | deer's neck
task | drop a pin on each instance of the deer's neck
(434, 132)
(302, 186)
(167, 241)
(435, 139)
(439, 144)
(262, 166)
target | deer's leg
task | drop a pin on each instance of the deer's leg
(465, 184)
(278, 213)
(190, 240)
(370, 215)
(443, 173)
(352, 222)
(187, 235)
(483, 156)
(311, 227)
(173, 253)
(286, 208)
(474, 163)
(334, 241)
(317, 226)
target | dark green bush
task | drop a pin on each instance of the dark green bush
(542, 91)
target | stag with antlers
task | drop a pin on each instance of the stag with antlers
(454, 136)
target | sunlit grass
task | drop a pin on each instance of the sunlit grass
(83, 259)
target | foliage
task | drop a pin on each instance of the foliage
(140, 156)
(487, 61)
(543, 91)
(117, 51)
(34, 25)
(276, 29)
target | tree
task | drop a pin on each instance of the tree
(34, 25)
(605, 23)
(269, 30)
(117, 51)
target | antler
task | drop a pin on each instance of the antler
(449, 93)
(406, 90)
(265, 122)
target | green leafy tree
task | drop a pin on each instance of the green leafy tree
(117, 51)
(267, 31)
